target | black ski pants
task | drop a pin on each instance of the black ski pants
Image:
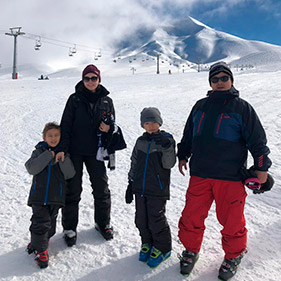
(43, 225)
(101, 193)
(152, 223)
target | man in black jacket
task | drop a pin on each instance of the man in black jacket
(82, 124)
(220, 130)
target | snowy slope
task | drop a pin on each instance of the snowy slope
(27, 104)
(188, 40)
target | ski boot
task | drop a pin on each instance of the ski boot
(187, 262)
(156, 257)
(145, 252)
(106, 232)
(229, 267)
(42, 258)
(70, 237)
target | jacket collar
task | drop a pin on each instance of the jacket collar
(231, 93)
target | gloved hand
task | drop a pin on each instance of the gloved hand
(265, 186)
(129, 193)
(251, 180)
(108, 119)
(162, 139)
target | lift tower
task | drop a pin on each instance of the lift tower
(15, 31)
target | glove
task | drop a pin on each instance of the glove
(108, 119)
(251, 180)
(162, 139)
(129, 193)
(265, 186)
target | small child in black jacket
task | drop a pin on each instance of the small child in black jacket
(149, 179)
(47, 193)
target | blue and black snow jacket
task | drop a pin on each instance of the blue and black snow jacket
(151, 166)
(220, 130)
(49, 177)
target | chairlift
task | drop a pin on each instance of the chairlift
(37, 44)
(74, 50)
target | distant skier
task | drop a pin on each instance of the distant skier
(47, 193)
(220, 130)
(149, 179)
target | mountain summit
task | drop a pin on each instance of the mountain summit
(190, 40)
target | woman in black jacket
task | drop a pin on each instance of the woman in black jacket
(88, 115)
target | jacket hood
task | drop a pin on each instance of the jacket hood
(41, 144)
(44, 145)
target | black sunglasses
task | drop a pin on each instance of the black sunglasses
(223, 79)
(93, 78)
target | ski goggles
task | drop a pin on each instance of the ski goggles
(216, 79)
(253, 183)
(93, 78)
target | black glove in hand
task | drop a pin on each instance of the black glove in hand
(129, 193)
(265, 186)
(162, 139)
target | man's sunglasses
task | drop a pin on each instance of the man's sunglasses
(223, 79)
(93, 78)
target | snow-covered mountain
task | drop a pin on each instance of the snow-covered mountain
(188, 40)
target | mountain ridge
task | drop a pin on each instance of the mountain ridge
(189, 40)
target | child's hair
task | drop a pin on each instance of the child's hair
(50, 126)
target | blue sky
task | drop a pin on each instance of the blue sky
(249, 19)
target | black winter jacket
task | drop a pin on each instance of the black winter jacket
(81, 119)
(49, 177)
(220, 130)
(151, 166)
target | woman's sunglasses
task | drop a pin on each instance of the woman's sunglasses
(216, 79)
(93, 78)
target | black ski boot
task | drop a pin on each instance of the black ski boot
(106, 232)
(70, 237)
(229, 267)
(187, 261)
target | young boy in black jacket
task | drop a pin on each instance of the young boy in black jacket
(47, 193)
(149, 179)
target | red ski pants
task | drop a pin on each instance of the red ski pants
(230, 199)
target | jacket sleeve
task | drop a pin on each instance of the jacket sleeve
(67, 124)
(133, 169)
(67, 168)
(38, 162)
(185, 145)
(255, 138)
(169, 154)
